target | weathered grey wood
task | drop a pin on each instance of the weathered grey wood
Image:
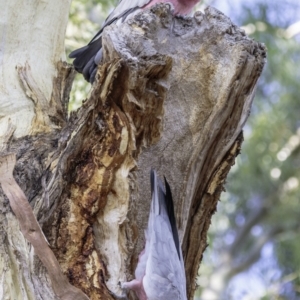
(172, 94)
(33, 232)
(210, 91)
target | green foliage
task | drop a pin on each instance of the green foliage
(86, 17)
(270, 162)
(267, 173)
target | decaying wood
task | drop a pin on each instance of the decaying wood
(33, 232)
(172, 94)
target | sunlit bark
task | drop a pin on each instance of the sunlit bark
(172, 94)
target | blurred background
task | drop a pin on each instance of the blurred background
(254, 238)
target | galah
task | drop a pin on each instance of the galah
(160, 273)
(88, 57)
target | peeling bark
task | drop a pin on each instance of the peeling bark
(33, 232)
(32, 37)
(172, 94)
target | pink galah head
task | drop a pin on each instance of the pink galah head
(181, 7)
(90, 56)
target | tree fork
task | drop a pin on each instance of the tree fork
(172, 94)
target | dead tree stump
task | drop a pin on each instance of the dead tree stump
(172, 94)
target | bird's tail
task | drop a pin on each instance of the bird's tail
(162, 200)
(86, 59)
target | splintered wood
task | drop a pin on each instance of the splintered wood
(172, 94)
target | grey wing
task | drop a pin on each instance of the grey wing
(123, 6)
(88, 57)
(164, 275)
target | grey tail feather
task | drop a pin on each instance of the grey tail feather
(85, 55)
(171, 214)
(152, 174)
(169, 204)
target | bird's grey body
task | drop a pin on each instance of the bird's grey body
(88, 57)
(160, 271)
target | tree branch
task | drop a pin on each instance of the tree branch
(33, 233)
(254, 253)
(32, 42)
(243, 234)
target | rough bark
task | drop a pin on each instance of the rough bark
(172, 94)
(33, 232)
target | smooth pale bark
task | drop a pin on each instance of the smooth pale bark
(172, 94)
(31, 101)
(32, 37)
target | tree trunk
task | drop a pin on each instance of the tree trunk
(172, 94)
